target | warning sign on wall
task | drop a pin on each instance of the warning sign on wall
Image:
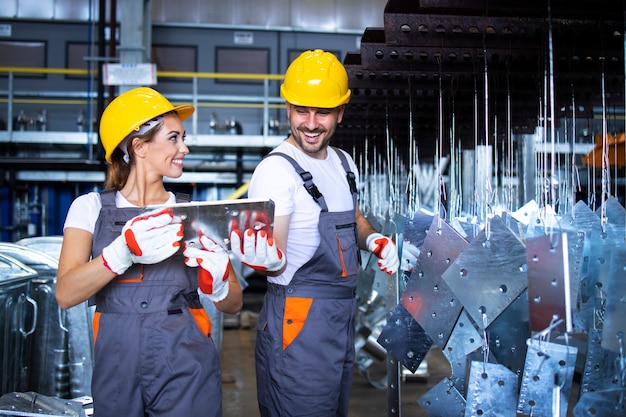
(129, 74)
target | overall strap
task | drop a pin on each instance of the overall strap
(108, 197)
(349, 174)
(307, 179)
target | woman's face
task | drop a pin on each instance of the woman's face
(165, 152)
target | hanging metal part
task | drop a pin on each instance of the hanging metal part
(492, 390)
(443, 400)
(427, 297)
(549, 366)
(404, 339)
(614, 330)
(606, 403)
(548, 281)
(508, 334)
(463, 340)
(601, 365)
(489, 274)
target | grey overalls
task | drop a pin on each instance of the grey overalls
(305, 332)
(151, 358)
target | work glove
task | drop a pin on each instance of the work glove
(385, 250)
(146, 239)
(214, 263)
(410, 253)
(257, 251)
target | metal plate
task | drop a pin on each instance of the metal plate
(600, 365)
(549, 282)
(508, 333)
(613, 211)
(216, 219)
(489, 274)
(584, 221)
(463, 341)
(491, 391)
(614, 329)
(404, 339)
(427, 297)
(608, 403)
(443, 400)
(549, 371)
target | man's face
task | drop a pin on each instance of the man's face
(312, 128)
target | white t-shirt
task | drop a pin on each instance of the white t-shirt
(275, 178)
(85, 209)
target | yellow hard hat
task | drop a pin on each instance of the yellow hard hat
(316, 79)
(128, 111)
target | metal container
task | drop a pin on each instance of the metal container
(49, 363)
(80, 333)
(18, 313)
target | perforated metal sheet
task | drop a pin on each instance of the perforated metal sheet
(584, 221)
(464, 340)
(549, 282)
(443, 400)
(489, 274)
(614, 212)
(508, 333)
(614, 330)
(427, 297)
(601, 403)
(549, 369)
(491, 391)
(600, 365)
(404, 339)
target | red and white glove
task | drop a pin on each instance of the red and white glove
(385, 250)
(146, 239)
(214, 265)
(257, 251)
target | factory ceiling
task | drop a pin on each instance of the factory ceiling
(449, 73)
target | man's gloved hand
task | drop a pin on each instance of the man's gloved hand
(257, 250)
(385, 250)
(214, 265)
(410, 253)
(147, 239)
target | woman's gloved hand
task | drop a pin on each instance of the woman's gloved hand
(146, 239)
(385, 250)
(214, 263)
(257, 251)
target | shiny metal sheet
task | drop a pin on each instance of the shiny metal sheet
(607, 403)
(404, 339)
(443, 400)
(491, 391)
(584, 221)
(613, 211)
(549, 282)
(601, 370)
(547, 379)
(427, 297)
(216, 219)
(489, 274)
(614, 329)
(463, 340)
(508, 333)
